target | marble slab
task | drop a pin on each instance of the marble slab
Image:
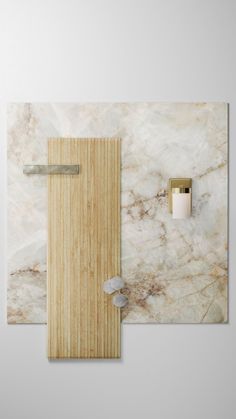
(175, 271)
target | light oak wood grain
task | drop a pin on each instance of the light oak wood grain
(83, 249)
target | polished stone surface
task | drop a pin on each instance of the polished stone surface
(175, 271)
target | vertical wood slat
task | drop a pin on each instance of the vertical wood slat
(83, 249)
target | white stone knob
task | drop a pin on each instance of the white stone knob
(120, 300)
(113, 284)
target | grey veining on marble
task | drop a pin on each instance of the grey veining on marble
(51, 169)
(175, 271)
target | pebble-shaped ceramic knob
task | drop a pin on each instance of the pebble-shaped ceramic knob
(120, 300)
(117, 283)
(113, 284)
(107, 288)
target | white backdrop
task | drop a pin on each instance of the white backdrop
(126, 50)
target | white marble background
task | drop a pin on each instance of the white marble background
(175, 270)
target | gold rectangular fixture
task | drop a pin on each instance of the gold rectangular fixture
(83, 249)
(51, 169)
(178, 185)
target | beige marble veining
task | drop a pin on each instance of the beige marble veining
(175, 271)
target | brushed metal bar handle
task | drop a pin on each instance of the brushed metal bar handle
(51, 169)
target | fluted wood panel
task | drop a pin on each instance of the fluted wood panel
(83, 249)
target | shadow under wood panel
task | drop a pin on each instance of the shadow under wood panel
(83, 249)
